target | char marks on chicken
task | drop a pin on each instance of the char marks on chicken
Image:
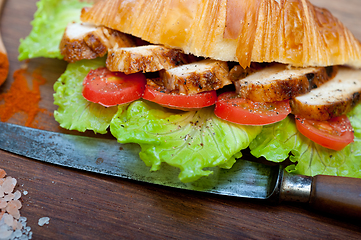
(192, 78)
(332, 99)
(149, 58)
(87, 41)
(278, 82)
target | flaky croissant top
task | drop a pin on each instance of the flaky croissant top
(287, 31)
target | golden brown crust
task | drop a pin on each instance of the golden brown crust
(287, 31)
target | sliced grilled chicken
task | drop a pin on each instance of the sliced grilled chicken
(332, 99)
(237, 72)
(278, 82)
(86, 41)
(205, 75)
(72, 45)
(149, 58)
(104, 39)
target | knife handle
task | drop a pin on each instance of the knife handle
(337, 195)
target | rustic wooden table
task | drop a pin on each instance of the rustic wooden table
(83, 205)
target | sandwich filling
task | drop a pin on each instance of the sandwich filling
(273, 109)
(176, 74)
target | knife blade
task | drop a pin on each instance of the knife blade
(245, 179)
(107, 156)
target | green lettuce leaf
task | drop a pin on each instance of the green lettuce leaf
(75, 112)
(278, 141)
(190, 141)
(50, 21)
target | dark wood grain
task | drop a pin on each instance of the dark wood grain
(83, 205)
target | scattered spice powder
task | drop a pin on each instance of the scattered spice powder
(20, 98)
(4, 67)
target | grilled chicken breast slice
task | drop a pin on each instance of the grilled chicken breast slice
(149, 58)
(278, 82)
(332, 99)
(86, 41)
(192, 78)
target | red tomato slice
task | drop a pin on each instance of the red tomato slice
(234, 109)
(112, 88)
(180, 101)
(335, 133)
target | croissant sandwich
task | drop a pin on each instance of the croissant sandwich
(195, 82)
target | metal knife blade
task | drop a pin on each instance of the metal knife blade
(247, 179)
(107, 156)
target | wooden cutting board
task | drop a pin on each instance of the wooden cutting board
(83, 205)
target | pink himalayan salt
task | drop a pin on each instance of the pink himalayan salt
(9, 185)
(3, 203)
(16, 203)
(17, 225)
(8, 219)
(9, 197)
(7, 201)
(17, 195)
(11, 222)
(9, 212)
(13, 211)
